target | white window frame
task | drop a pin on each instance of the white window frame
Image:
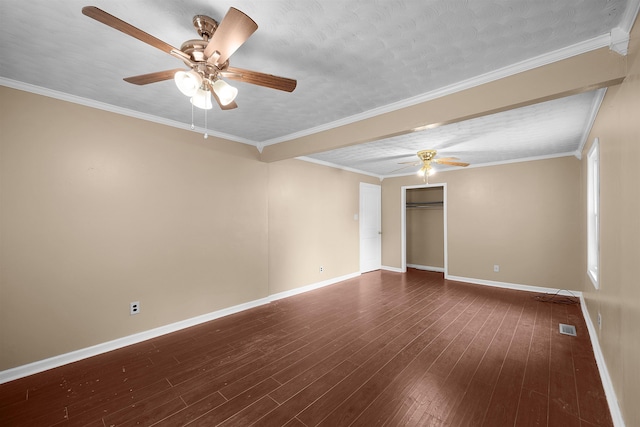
(593, 213)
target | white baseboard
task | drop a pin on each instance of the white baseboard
(63, 359)
(311, 287)
(518, 287)
(609, 391)
(74, 356)
(426, 268)
(393, 269)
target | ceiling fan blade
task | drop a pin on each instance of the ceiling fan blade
(233, 31)
(410, 163)
(450, 163)
(110, 20)
(260, 79)
(447, 158)
(145, 79)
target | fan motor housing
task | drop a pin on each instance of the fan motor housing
(426, 155)
(195, 49)
(205, 26)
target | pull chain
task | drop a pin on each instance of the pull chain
(192, 125)
(206, 134)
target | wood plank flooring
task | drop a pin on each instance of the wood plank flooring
(384, 349)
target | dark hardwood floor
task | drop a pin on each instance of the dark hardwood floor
(383, 349)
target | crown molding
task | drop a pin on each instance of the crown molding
(620, 35)
(629, 16)
(519, 67)
(336, 166)
(479, 165)
(616, 40)
(524, 159)
(619, 41)
(499, 163)
(595, 107)
(50, 93)
(260, 146)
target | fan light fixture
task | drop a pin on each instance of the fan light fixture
(202, 99)
(226, 93)
(426, 170)
(191, 84)
(427, 157)
(188, 82)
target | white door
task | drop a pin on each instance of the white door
(370, 228)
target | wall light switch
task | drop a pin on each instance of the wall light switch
(496, 268)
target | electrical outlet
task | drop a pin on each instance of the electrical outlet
(496, 268)
(599, 321)
(321, 269)
(134, 308)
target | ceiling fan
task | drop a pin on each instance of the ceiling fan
(207, 58)
(427, 157)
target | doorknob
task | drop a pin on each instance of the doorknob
(379, 232)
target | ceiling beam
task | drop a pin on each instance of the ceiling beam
(588, 71)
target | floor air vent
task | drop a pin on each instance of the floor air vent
(568, 329)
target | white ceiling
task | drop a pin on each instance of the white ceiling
(351, 59)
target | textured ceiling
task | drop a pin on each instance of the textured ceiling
(349, 58)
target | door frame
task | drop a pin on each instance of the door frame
(403, 223)
(379, 188)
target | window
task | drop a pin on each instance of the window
(593, 213)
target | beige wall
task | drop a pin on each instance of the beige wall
(100, 209)
(525, 217)
(617, 127)
(311, 223)
(425, 228)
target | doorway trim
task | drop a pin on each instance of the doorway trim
(403, 223)
(364, 186)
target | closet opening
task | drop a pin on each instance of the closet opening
(424, 227)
